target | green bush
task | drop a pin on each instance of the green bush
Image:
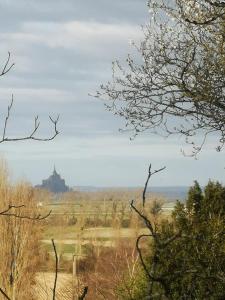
(187, 259)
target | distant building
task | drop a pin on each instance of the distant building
(54, 183)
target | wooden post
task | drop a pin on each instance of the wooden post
(75, 266)
(75, 279)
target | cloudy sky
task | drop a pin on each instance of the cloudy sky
(63, 51)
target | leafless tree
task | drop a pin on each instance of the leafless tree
(176, 84)
(14, 211)
(157, 240)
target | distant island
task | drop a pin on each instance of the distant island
(54, 183)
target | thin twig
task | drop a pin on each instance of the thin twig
(7, 213)
(6, 67)
(150, 173)
(9, 208)
(56, 270)
(4, 294)
(7, 117)
(31, 136)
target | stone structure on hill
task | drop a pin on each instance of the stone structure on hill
(54, 183)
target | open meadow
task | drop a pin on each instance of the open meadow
(97, 219)
(87, 229)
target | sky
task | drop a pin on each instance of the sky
(63, 50)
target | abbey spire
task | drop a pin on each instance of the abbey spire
(54, 183)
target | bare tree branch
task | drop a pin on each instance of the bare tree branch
(176, 86)
(144, 218)
(150, 173)
(162, 243)
(7, 212)
(7, 67)
(141, 256)
(9, 208)
(85, 291)
(56, 270)
(4, 294)
(31, 136)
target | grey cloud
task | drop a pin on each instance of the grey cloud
(13, 13)
(52, 77)
(47, 62)
(63, 51)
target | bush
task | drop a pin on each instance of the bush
(187, 258)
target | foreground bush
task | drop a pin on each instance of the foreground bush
(186, 259)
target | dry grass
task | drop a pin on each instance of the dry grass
(20, 238)
(101, 223)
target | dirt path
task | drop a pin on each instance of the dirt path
(44, 286)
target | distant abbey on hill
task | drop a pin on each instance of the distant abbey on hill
(54, 183)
